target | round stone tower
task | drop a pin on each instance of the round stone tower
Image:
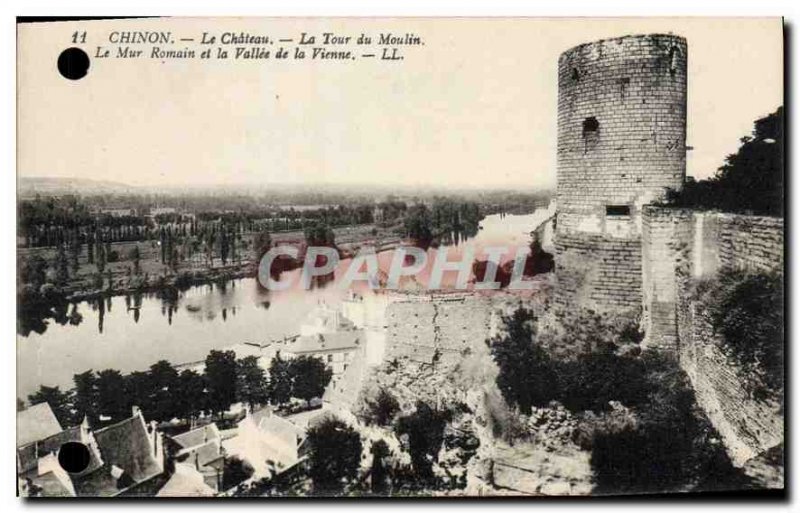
(621, 145)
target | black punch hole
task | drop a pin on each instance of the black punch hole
(73, 63)
(73, 457)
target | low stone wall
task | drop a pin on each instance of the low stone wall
(751, 242)
(598, 272)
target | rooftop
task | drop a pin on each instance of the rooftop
(326, 342)
(36, 423)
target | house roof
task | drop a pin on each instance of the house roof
(127, 446)
(344, 391)
(28, 456)
(198, 436)
(36, 423)
(326, 342)
(277, 426)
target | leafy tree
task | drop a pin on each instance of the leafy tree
(380, 409)
(59, 402)
(221, 380)
(417, 223)
(425, 431)
(526, 377)
(139, 392)
(379, 473)
(261, 244)
(279, 388)
(310, 376)
(99, 253)
(335, 456)
(320, 234)
(136, 256)
(61, 266)
(751, 180)
(190, 396)
(85, 400)
(33, 271)
(251, 381)
(111, 400)
(164, 385)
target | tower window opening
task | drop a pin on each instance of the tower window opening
(590, 134)
(618, 210)
(576, 76)
(623, 86)
(590, 126)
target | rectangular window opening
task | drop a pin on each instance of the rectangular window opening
(618, 210)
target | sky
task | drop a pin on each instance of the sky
(475, 106)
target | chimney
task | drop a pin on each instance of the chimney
(135, 411)
(154, 437)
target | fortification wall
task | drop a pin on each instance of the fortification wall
(751, 242)
(748, 426)
(598, 272)
(679, 247)
(436, 331)
(666, 234)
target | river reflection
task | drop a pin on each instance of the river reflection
(131, 332)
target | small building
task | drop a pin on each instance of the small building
(132, 453)
(201, 449)
(337, 350)
(269, 443)
(125, 458)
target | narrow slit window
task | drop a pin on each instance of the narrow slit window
(673, 61)
(618, 210)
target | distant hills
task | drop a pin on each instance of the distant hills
(55, 186)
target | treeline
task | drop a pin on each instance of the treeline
(750, 181)
(163, 393)
(442, 219)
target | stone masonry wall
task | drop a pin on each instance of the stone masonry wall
(598, 272)
(665, 232)
(754, 243)
(439, 329)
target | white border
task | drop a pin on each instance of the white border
(573, 8)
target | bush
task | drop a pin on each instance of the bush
(593, 380)
(113, 256)
(378, 409)
(670, 446)
(234, 472)
(425, 431)
(526, 375)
